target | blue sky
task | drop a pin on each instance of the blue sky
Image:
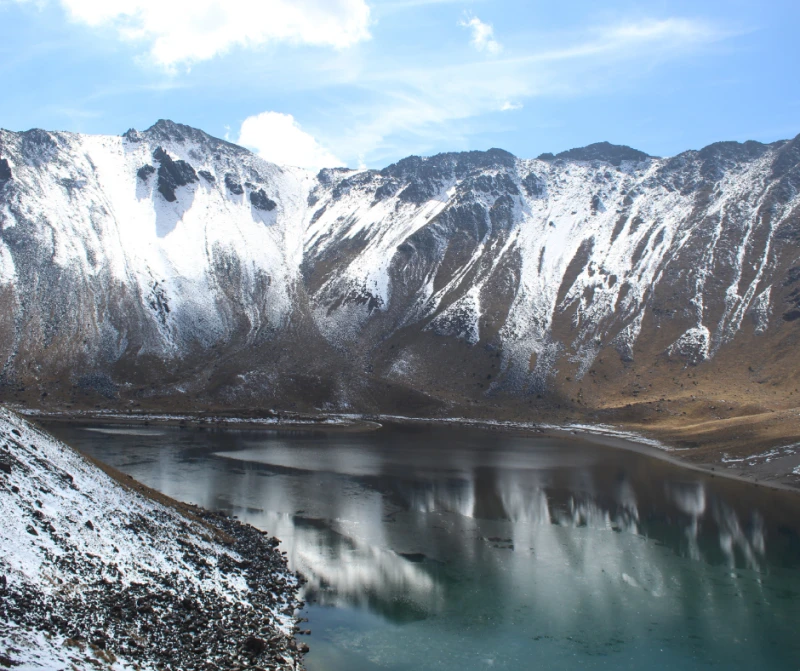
(366, 82)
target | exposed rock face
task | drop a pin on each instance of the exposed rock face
(261, 202)
(172, 174)
(233, 186)
(451, 280)
(5, 170)
(145, 171)
(600, 151)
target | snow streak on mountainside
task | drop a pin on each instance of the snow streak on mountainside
(173, 245)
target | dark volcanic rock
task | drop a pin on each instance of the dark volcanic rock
(145, 171)
(426, 176)
(260, 201)
(172, 174)
(254, 646)
(233, 186)
(39, 145)
(534, 185)
(165, 131)
(5, 170)
(600, 151)
(179, 613)
(132, 135)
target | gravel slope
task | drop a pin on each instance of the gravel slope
(96, 575)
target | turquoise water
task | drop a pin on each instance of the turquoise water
(462, 549)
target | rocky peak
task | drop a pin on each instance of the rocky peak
(165, 131)
(425, 176)
(689, 169)
(450, 164)
(788, 157)
(614, 154)
(330, 175)
(733, 151)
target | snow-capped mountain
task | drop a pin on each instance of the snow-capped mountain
(167, 262)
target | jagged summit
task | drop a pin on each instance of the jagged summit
(464, 277)
(451, 163)
(165, 131)
(461, 163)
(614, 154)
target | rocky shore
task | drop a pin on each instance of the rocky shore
(94, 574)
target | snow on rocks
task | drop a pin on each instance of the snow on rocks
(692, 345)
(93, 574)
(171, 243)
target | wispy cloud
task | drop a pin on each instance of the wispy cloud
(379, 100)
(645, 38)
(482, 34)
(409, 109)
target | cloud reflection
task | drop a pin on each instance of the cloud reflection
(564, 542)
(387, 532)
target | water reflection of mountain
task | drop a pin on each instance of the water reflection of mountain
(562, 541)
(498, 522)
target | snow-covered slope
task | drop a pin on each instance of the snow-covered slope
(149, 242)
(170, 250)
(95, 574)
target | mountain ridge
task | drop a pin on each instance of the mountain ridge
(173, 131)
(167, 266)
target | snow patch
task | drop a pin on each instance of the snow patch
(692, 345)
(461, 319)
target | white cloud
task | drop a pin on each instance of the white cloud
(509, 106)
(643, 40)
(185, 31)
(482, 34)
(279, 138)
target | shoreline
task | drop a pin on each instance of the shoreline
(203, 420)
(615, 436)
(609, 436)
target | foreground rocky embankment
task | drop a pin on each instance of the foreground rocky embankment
(93, 574)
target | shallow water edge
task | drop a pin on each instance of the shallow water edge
(748, 471)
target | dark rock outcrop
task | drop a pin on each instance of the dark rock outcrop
(233, 186)
(599, 151)
(172, 174)
(5, 170)
(260, 201)
(144, 172)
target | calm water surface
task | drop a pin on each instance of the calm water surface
(443, 548)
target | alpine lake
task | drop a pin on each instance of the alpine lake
(459, 548)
